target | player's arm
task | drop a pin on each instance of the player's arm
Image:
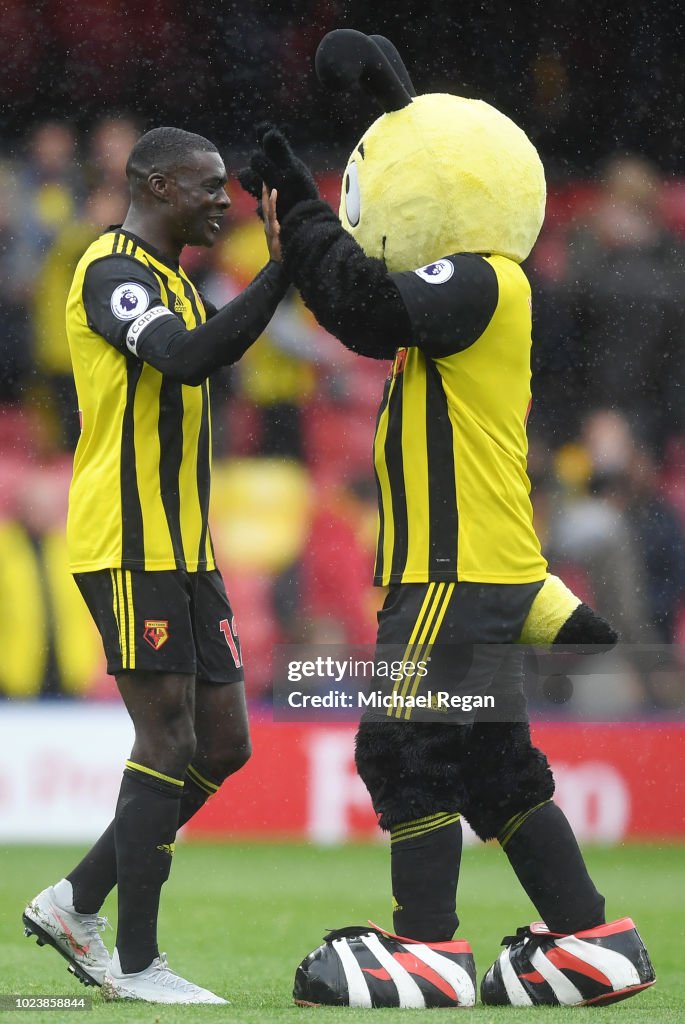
(152, 333)
(442, 309)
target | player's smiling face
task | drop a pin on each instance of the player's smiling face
(198, 199)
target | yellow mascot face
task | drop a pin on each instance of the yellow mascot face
(435, 174)
(443, 175)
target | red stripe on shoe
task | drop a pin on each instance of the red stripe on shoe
(452, 946)
(564, 960)
(377, 972)
(535, 977)
(71, 938)
(457, 946)
(417, 967)
(624, 924)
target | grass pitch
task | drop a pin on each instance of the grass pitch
(239, 918)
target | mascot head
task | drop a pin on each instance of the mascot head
(435, 174)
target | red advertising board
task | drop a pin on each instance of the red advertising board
(614, 781)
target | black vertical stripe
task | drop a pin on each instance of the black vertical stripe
(170, 429)
(378, 568)
(133, 549)
(395, 466)
(203, 475)
(190, 295)
(443, 515)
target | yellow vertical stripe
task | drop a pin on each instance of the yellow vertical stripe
(190, 509)
(415, 461)
(196, 295)
(414, 633)
(420, 631)
(208, 540)
(119, 613)
(431, 640)
(115, 605)
(190, 512)
(413, 654)
(146, 434)
(384, 483)
(131, 622)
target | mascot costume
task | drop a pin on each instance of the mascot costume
(442, 199)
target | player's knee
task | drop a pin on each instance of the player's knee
(504, 774)
(221, 764)
(410, 769)
(174, 743)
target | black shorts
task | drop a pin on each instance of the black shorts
(454, 639)
(168, 621)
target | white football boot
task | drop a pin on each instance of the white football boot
(156, 984)
(75, 936)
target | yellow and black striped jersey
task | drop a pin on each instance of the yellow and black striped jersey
(450, 448)
(139, 496)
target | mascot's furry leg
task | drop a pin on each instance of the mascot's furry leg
(413, 773)
(509, 797)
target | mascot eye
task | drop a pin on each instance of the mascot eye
(352, 197)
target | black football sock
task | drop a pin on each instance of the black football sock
(94, 878)
(545, 855)
(145, 826)
(425, 856)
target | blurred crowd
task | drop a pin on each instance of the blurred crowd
(582, 79)
(294, 505)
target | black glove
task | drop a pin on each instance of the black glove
(249, 179)
(276, 164)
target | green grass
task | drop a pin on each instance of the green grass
(239, 918)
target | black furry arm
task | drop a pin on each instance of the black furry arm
(351, 294)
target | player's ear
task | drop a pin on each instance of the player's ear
(160, 186)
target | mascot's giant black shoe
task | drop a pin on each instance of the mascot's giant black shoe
(594, 967)
(368, 967)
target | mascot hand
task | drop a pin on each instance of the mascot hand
(276, 165)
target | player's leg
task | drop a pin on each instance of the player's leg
(509, 797)
(146, 817)
(220, 746)
(411, 769)
(138, 844)
(147, 634)
(412, 773)
(162, 708)
(223, 742)
(221, 724)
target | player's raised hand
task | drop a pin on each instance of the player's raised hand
(275, 164)
(272, 229)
